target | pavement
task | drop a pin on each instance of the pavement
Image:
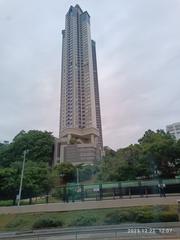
(73, 206)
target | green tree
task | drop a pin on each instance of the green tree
(40, 145)
(109, 151)
(86, 172)
(66, 172)
(159, 149)
(38, 180)
(9, 183)
(37, 175)
(157, 154)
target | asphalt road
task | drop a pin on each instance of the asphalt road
(165, 231)
(71, 206)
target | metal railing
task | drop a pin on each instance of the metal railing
(124, 231)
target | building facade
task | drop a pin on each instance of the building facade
(174, 130)
(80, 134)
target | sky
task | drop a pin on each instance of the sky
(138, 54)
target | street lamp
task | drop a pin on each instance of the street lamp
(22, 175)
(77, 172)
(77, 175)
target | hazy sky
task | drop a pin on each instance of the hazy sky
(138, 51)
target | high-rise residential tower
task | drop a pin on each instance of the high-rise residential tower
(80, 136)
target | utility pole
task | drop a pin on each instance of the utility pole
(78, 167)
(77, 175)
(22, 175)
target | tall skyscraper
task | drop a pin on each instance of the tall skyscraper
(80, 135)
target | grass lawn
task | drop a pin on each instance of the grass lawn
(17, 222)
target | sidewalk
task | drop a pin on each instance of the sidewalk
(72, 206)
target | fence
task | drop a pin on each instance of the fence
(101, 191)
(139, 188)
(125, 231)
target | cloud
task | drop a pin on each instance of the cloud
(138, 51)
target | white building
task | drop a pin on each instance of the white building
(80, 136)
(174, 130)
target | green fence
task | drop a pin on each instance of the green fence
(98, 191)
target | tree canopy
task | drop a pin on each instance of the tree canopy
(38, 177)
(39, 144)
(155, 155)
(66, 172)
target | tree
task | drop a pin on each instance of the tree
(86, 172)
(9, 182)
(159, 149)
(109, 151)
(66, 171)
(155, 155)
(148, 137)
(38, 180)
(19, 135)
(40, 146)
(1, 145)
(178, 157)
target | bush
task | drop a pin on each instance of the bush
(119, 217)
(162, 214)
(168, 217)
(112, 218)
(47, 223)
(16, 223)
(83, 221)
(144, 217)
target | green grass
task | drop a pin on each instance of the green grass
(15, 222)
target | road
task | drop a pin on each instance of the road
(71, 206)
(165, 231)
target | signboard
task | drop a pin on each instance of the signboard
(78, 190)
(17, 197)
(95, 189)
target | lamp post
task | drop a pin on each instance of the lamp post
(22, 175)
(77, 175)
(79, 166)
(64, 187)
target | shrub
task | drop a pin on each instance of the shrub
(119, 217)
(112, 218)
(144, 217)
(83, 220)
(168, 217)
(160, 215)
(16, 223)
(47, 223)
